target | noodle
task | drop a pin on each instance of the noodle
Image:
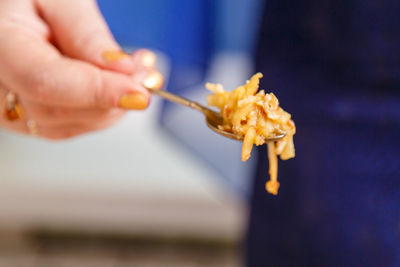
(256, 116)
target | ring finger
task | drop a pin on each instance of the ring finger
(13, 125)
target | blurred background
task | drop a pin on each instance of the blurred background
(159, 189)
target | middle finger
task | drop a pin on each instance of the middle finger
(55, 116)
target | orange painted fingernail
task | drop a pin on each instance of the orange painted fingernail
(154, 80)
(149, 59)
(133, 101)
(114, 55)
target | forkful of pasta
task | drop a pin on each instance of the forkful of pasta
(247, 115)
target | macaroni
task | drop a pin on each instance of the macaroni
(256, 116)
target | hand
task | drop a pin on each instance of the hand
(68, 72)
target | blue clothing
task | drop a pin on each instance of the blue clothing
(335, 65)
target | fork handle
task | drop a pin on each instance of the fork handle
(181, 100)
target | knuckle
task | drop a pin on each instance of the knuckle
(88, 40)
(99, 96)
(40, 83)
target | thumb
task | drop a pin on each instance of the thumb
(81, 33)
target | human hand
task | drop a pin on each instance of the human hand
(70, 76)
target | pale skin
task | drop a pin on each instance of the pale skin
(69, 73)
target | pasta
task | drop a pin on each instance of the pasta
(256, 115)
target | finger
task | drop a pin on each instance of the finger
(146, 71)
(150, 78)
(81, 32)
(16, 125)
(42, 75)
(56, 116)
(70, 131)
(143, 58)
(57, 131)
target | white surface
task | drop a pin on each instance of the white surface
(133, 155)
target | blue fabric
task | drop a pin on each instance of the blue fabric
(334, 65)
(179, 28)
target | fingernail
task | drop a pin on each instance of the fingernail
(154, 80)
(149, 59)
(114, 55)
(133, 101)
